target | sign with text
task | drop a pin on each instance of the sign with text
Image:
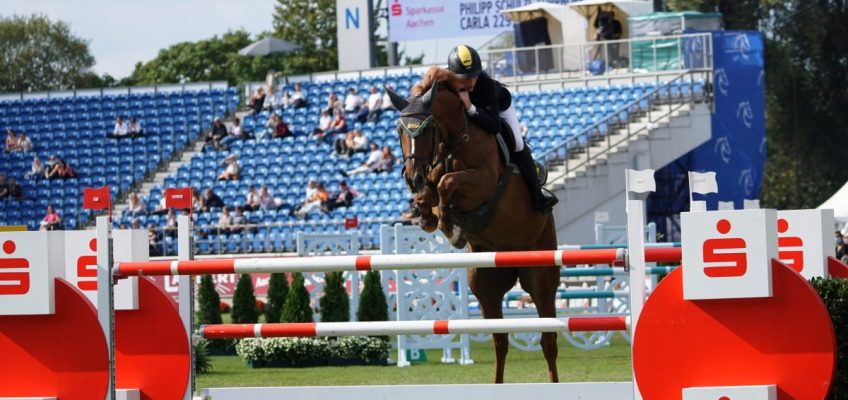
(353, 32)
(727, 254)
(801, 240)
(81, 263)
(29, 264)
(436, 19)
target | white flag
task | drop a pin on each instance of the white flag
(703, 182)
(641, 181)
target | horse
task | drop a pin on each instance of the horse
(463, 185)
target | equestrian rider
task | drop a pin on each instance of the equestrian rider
(488, 104)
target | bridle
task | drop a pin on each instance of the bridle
(443, 153)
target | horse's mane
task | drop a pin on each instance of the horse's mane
(435, 74)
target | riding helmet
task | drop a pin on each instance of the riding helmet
(465, 62)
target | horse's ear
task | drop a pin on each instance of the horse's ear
(427, 98)
(397, 101)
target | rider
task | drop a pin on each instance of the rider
(488, 104)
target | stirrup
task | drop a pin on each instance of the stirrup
(548, 200)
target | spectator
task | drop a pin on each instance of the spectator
(315, 202)
(296, 99)
(197, 201)
(325, 123)
(387, 101)
(24, 143)
(333, 103)
(122, 226)
(354, 142)
(135, 127)
(225, 221)
(311, 187)
(239, 221)
(232, 170)
(372, 109)
(387, 160)
(219, 132)
(121, 129)
(271, 102)
(252, 202)
(36, 170)
(171, 223)
(11, 141)
(136, 206)
(236, 133)
(51, 163)
(15, 190)
(60, 169)
(51, 220)
(136, 224)
(281, 129)
(161, 208)
(353, 102)
(153, 239)
(369, 165)
(343, 198)
(267, 200)
(339, 125)
(211, 201)
(257, 101)
(4, 187)
(842, 249)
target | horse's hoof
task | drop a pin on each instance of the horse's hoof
(428, 223)
(458, 239)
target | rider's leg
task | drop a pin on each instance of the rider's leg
(524, 161)
(511, 118)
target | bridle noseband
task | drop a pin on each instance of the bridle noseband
(444, 152)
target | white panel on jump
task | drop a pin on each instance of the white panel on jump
(726, 206)
(559, 391)
(127, 394)
(801, 240)
(727, 254)
(29, 264)
(760, 392)
(81, 263)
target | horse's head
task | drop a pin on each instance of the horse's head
(422, 141)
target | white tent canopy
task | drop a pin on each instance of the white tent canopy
(565, 26)
(838, 203)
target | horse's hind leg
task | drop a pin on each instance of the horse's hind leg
(542, 284)
(489, 286)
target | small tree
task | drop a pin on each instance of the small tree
(278, 288)
(244, 302)
(372, 301)
(335, 305)
(297, 308)
(208, 302)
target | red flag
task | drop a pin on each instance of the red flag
(351, 222)
(96, 199)
(178, 198)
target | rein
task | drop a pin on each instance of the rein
(445, 151)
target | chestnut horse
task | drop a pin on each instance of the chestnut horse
(461, 184)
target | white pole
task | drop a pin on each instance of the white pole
(105, 295)
(186, 295)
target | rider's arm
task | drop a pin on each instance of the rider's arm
(481, 119)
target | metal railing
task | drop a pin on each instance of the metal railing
(598, 139)
(624, 56)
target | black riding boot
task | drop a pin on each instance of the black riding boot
(542, 199)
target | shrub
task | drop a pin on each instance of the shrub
(201, 357)
(297, 308)
(208, 302)
(372, 301)
(335, 304)
(244, 302)
(834, 292)
(278, 287)
(298, 349)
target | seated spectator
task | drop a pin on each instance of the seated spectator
(387, 160)
(372, 109)
(211, 201)
(36, 170)
(354, 142)
(225, 221)
(153, 240)
(61, 169)
(387, 101)
(11, 141)
(295, 99)
(257, 101)
(134, 127)
(24, 143)
(315, 202)
(353, 102)
(136, 205)
(51, 163)
(218, 133)
(253, 202)
(161, 208)
(369, 165)
(271, 102)
(339, 125)
(236, 133)
(15, 190)
(121, 129)
(343, 198)
(239, 221)
(324, 123)
(268, 201)
(136, 224)
(4, 187)
(198, 202)
(281, 129)
(232, 170)
(171, 223)
(51, 221)
(332, 104)
(311, 187)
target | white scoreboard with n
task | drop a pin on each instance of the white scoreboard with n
(353, 31)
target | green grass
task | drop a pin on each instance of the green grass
(607, 364)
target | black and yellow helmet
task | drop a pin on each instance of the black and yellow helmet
(465, 62)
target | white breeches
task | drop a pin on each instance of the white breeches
(511, 118)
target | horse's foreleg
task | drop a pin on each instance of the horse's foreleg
(542, 287)
(425, 202)
(470, 181)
